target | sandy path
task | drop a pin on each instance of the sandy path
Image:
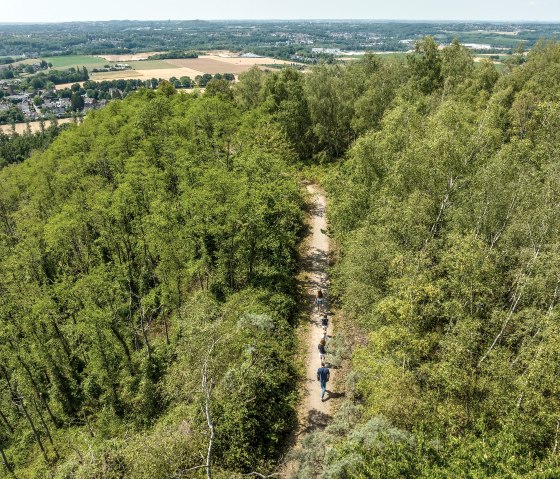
(315, 412)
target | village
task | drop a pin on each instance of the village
(23, 106)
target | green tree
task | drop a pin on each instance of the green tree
(426, 65)
(76, 102)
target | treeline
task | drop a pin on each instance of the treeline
(11, 115)
(16, 71)
(72, 75)
(173, 54)
(42, 80)
(147, 266)
(15, 147)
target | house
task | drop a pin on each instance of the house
(17, 98)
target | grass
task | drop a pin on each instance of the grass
(90, 62)
(27, 61)
(150, 65)
(400, 55)
(67, 61)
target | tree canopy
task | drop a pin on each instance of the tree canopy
(148, 257)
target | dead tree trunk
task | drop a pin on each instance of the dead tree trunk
(207, 388)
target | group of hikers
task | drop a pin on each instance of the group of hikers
(323, 373)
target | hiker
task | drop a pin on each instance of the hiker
(319, 299)
(321, 348)
(323, 375)
(324, 322)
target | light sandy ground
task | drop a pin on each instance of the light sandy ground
(34, 125)
(129, 57)
(314, 414)
(318, 252)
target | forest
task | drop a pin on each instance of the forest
(148, 262)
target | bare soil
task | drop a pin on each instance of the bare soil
(128, 57)
(33, 125)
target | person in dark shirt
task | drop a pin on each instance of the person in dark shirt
(321, 349)
(323, 375)
(324, 322)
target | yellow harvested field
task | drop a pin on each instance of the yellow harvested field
(62, 86)
(129, 57)
(171, 72)
(34, 125)
(124, 74)
(248, 61)
(217, 64)
(165, 73)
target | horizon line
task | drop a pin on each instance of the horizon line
(371, 20)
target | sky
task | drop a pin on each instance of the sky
(72, 10)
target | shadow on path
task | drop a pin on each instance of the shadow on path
(315, 421)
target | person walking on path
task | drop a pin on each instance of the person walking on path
(322, 351)
(324, 322)
(323, 375)
(319, 300)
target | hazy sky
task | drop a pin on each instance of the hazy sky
(68, 10)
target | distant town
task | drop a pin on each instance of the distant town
(57, 71)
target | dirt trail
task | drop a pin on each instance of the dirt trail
(315, 413)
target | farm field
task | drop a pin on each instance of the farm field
(149, 65)
(213, 65)
(123, 74)
(34, 125)
(218, 62)
(128, 57)
(67, 61)
(190, 67)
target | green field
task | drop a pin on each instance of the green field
(150, 65)
(67, 61)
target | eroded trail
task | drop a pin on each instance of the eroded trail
(315, 413)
